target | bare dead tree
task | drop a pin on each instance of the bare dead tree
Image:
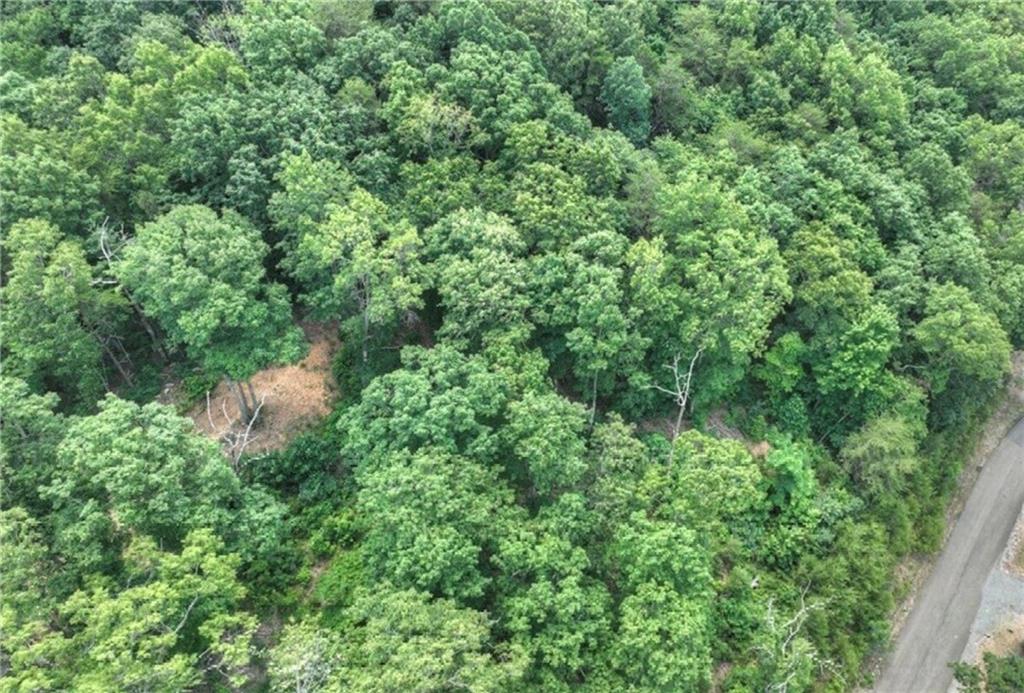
(787, 653)
(681, 393)
(235, 434)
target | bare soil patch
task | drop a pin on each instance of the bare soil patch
(1007, 639)
(717, 426)
(294, 396)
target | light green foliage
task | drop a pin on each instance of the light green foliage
(440, 398)
(571, 38)
(31, 433)
(882, 455)
(863, 91)
(479, 275)
(173, 622)
(601, 333)
(726, 282)
(552, 607)
(551, 207)
(358, 261)
(782, 369)
(304, 659)
(36, 180)
(309, 189)
(141, 470)
(432, 519)
(55, 322)
(859, 354)
(716, 484)
(546, 435)
(201, 276)
(792, 481)
(25, 603)
(963, 344)
(279, 36)
(406, 641)
(150, 635)
(500, 88)
(663, 640)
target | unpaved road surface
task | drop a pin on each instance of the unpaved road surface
(939, 623)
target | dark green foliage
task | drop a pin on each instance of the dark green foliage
(627, 100)
(1004, 674)
(998, 675)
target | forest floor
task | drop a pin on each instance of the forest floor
(295, 396)
(946, 589)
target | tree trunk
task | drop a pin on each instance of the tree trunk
(243, 405)
(117, 362)
(252, 395)
(679, 421)
(149, 330)
(593, 401)
(366, 334)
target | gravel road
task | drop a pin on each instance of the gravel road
(937, 629)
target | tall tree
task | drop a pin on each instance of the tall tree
(134, 469)
(57, 325)
(359, 261)
(964, 348)
(201, 276)
(627, 100)
(174, 623)
(403, 640)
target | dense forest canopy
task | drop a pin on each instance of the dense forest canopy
(665, 327)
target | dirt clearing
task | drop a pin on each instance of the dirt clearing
(294, 397)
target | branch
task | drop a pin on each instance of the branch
(181, 624)
(681, 394)
(209, 416)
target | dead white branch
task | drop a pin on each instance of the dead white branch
(234, 434)
(681, 393)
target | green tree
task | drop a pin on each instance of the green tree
(309, 189)
(548, 601)
(57, 325)
(133, 470)
(479, 274)
(882, 456)
(432, 520)
(663, 639)
(546, 435)
(439, 398)
(403, 640)
(32, 430)
(304, 659)
(964, 348)
(601, 332)
(27, 604)
(177, 623)
(37, 180)
(202, 277)
(627, 100)
(360, 261)
(723, 284)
